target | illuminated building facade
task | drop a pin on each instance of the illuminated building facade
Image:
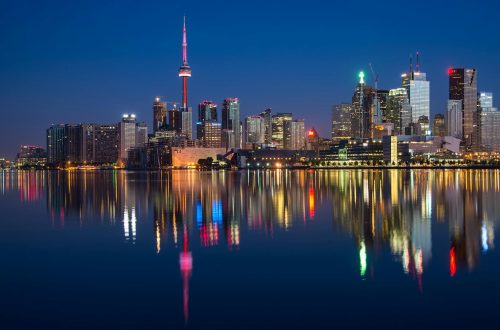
(231, 128)
(211, 134)
(398, 110)
(362, 114)
(454, 119)
(268, 125)
(278, 128)
(254, 130)
(439, 125)
(341, 121)
(463, 88)
(127, 134)
(159, 115)
(418, 89)
(294, 134)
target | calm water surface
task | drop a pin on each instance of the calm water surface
(249, 250)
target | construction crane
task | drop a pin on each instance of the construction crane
(376, 115)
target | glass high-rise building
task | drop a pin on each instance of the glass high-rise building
(268, 125)
(486, 100)
(231, 132)
(490, 132)
(454, 118)
(398, 110)
(127, 134)
(278, 131)
(463, 87)
(363, 106)
(341, 121)
(418, 90)
(207, 111)
(159, 115)
(294, 134)
(254, 130)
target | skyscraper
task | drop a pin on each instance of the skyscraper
(211, 137)
(185, 73)
(294, 134)
(254, 130)
(490, 132)
(463, 87)
(207, 111)
(56, 140)
(398, 110)
(454, 119)
(159, 115)
(486, 100)
(278, 131)
(268, 126)
(418, 89)
(127, 134)
(231, 134)
(362, 116)
(341, 121)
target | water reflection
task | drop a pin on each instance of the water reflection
(393, 209)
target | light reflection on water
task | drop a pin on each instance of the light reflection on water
(189, 210)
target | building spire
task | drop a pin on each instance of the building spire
(184, 43)
(418, 63)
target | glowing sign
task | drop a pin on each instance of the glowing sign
(361, 77)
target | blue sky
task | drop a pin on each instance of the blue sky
(91, 61)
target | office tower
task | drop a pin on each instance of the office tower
(362, 114)
(454, 119)
(56, 139)
(398, 110)
(187, 124)
(294, 134)
(268, 126)
(341, 121)
(159, 115)
(463, 87)
(207, 111)
(379, 107)
(64, 144)
(174, 120)
(100, 143)
(141, 134)
(278, 122)
(231, 132)
(254, 130)
(211, 137)
(439, 125)
(127, 134)
(73, 143)
(418, 89)
(486, 100)
(490, 129)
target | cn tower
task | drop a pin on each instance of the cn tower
(184, 70)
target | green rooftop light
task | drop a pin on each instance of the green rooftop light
(361, 77)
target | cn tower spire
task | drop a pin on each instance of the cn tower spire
(184, 70)
(184, 43)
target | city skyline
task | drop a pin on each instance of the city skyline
(92, 96)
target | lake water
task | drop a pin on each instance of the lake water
(249, 250)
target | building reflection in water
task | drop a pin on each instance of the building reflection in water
(394, 209)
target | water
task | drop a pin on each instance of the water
(249, 250)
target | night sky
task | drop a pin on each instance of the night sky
(91, 61)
